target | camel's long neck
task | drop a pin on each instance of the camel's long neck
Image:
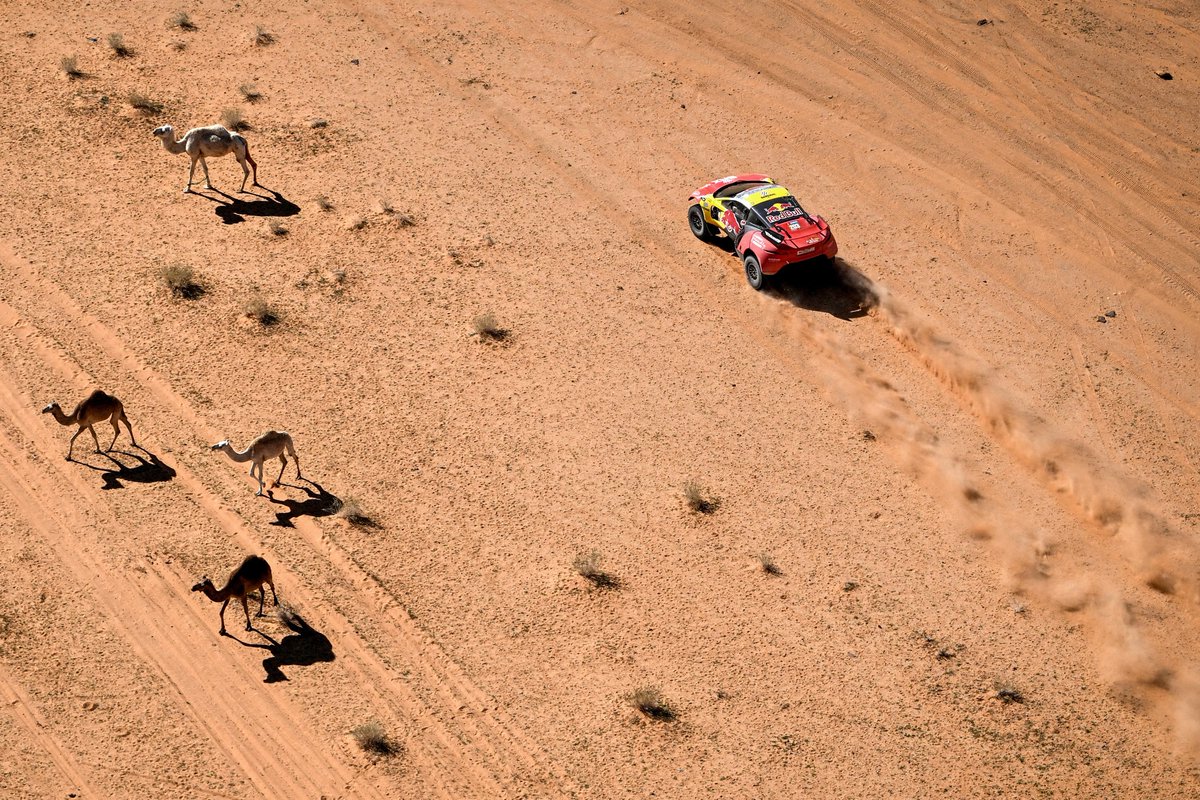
(215, 594)
(173, 146)
(63, 419)
(235, 455)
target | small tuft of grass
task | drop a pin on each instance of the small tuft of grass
(486, 327)
(277, 228)
(352, 511)
(257, 309)
(698, 500)
(147, 105)
(116, 43)
(650, 701)
(250, 93)
(588, 565)
(234, 120)
(179, 45)
(318, 123)
(323, 203)
(181, 280)
(1009, 694)
(262, 36)
(768, 564)
(372, 738)
(181, 20)
(70, 67)
(357, 223)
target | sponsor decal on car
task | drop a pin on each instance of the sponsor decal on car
(757, 240)
(814, 239)
(805, 250)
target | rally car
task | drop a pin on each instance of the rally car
(767, 226)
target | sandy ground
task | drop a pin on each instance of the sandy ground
(976, 487)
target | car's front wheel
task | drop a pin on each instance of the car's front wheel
(754, 273)
(701, 229)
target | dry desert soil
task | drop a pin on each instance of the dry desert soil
(952, 540)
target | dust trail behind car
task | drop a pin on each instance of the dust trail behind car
(1115, 508)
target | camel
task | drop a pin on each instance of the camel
(96, 407)
(249, 577)
(209, 142)
(271, 444)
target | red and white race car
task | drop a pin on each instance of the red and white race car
(767, 226)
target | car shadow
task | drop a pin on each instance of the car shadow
(303, 647)
(150, 469)
(233, 210)
(828, 285)
(319, 503)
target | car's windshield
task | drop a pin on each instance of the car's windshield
(735, 188)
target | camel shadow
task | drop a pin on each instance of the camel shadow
(146, 470)
(829, 285)
(233, 210)
(304, 647)
(319, 503)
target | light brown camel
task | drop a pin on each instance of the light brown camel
(209, 142)
(249, 577)
(96, 407)
(271, 444)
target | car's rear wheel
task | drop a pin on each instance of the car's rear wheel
(754, 273)
(701, 229)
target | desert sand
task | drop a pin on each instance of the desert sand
(968, 448)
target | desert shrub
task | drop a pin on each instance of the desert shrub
(181, 280)
(250, 93)
(768, 564)
(234, 120)
(650, 701)
(147, 105)
(257, 309)
(372, 738)
(351, 511)
(262, 36)
(588, 566)
(181, 20)
(696, 499)
(1008, 694)
(116, 43)
(486, 327)
(323, 203)
(277, 228)
(70, 67)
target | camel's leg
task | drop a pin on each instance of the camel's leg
(262, 599)
(71, 446)
(296, 458)
(241, 157)
(204, 165)
(94, 437)
(191, 177)
(223, 614)
(282, 458)
(253, 165)
(273, 593)
(246, 609)
(125, 419)
(116, 433)
(258, 464)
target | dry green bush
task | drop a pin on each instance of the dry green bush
(181, 20)
(262, 36)
(588, 565)
(650, 701)
(486, 327)
(696, 499)
(116, 43)
(234, 120)
(250, 93)
(70, 67)
(143, 103)
(257, 309)
(768, 564)
(181, 280)
(372, 738)
(351, 511)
